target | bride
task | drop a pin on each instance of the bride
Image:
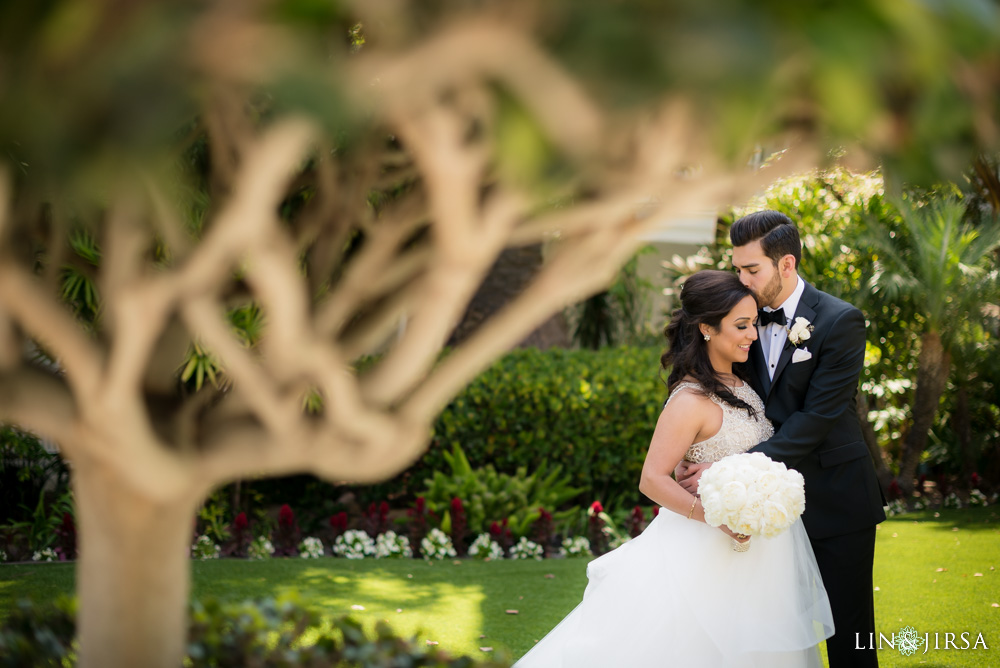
(679, 594)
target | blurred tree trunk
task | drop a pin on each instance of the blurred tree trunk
(512, 272)
(133, 573)
(933, 365)
(871, 440)
(961, 421)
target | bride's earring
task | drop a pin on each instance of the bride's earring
(708, 338)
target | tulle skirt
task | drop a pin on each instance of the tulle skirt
(678, 595)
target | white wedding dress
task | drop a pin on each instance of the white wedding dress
(678, 595)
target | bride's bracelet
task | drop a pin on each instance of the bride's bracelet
(693, 504)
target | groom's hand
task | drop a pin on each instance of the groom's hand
(688, 474)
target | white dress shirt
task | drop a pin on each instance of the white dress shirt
(773, 335)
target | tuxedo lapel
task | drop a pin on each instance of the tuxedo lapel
(804, 310)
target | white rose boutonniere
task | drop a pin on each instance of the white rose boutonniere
(800, 331)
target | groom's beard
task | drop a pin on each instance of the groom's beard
(769, 292)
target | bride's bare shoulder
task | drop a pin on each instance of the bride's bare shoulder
(687, 386)
(686, 395)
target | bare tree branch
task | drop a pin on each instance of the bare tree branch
(39, 402)
(259, 187)
(478, 50)
(53, 326)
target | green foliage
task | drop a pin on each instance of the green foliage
(247, 323)
(590, 412)
(25, 470)
(214, 517)
(39, 530)
(268, 633)
(616, 316)
(40, 636)
(489, 496)
(200, 364)
(939, 263)
(79, 288)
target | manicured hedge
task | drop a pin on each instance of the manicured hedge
(592, 412)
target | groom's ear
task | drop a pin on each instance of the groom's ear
(786, 265)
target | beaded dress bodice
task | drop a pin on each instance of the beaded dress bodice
(739, 432)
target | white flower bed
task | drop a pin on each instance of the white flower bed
(205, 548)
(485, 548)
(437, 545)
(44, 554)
(260, 548)
(575, 546)
(354, 544)
(526, 549)
(311, 548)
(390, 545)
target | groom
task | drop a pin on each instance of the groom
(805, 365)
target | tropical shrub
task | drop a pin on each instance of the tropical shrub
(489, 496)
(591, 413)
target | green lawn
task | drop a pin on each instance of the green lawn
(463, 605)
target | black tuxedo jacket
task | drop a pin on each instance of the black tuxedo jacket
(812, 406)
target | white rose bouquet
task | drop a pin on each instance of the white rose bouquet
(753, 495)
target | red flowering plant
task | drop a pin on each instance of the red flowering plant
(338, 525)
(597, 520)
(377, 518)
(636, 522)
(895, 492)
(418, 514)
(459, 527)
(286, 537)
(942, 485)
(65, 545)
(500, 532)
(974, 480)
(240, 537)
(542, 530)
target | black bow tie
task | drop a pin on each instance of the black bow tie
(765, 318)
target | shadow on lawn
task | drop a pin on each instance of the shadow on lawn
(972, 519)
(334, 585)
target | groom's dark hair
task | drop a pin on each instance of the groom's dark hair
(777, 233)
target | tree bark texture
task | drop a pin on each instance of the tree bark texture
(133, 573)
(871, 440)
(933, 364)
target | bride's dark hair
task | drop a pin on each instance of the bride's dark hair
(706, 297)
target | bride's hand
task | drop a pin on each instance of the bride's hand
(738, 537)
(688, 474)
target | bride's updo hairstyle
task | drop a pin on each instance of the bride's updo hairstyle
(706, 298)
